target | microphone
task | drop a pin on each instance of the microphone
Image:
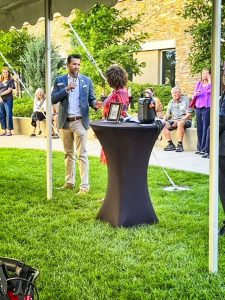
(74, 78)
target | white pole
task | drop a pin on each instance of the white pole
(214, 138)
(48, 17)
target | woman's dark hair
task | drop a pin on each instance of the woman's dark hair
(69, 58)
(9, 74)
(116, 76)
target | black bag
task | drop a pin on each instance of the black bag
(146, 110)
(36, 116)
(17, 280)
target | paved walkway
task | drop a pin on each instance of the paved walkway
(187, 161)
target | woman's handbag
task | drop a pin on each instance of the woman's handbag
(194, 99)
(17, 280)
(192, 102)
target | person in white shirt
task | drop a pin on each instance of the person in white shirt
(75, 94)
(39, 111)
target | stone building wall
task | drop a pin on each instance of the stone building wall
(58, 33)
(160, 19)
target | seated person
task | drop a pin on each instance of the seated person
(39, 111)
(178, 116)
(149, 93)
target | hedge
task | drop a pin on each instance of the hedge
(23, 107)
(163, 92)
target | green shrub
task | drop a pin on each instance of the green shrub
(33, 60)
(163, 92)
(95, 114)
(23, 107)
(100, 91)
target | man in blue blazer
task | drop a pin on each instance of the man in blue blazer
(75, 94)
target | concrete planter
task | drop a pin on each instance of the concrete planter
(23, 126)
(189, 142)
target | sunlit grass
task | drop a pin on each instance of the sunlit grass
(80, 257)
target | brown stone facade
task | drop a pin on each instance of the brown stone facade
(161, 20)
(59, 34)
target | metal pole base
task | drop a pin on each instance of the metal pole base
(176, 188)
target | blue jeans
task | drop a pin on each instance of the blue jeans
(202, 122)
(6, 116)
(207, 141)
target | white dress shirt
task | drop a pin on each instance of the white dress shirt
(74, 98)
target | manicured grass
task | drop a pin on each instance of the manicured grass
(80, 257)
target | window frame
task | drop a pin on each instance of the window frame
(161, 64)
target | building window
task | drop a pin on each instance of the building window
(168, 67)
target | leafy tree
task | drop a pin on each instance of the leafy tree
(12, 46)
(33, 62)
(109, 37)
(199, 12)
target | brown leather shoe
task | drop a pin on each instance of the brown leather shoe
(66, 186)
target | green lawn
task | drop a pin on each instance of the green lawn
(81, 258)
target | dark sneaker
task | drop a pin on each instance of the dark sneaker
(179, 148)
(197, 152)
(170, 147)
(206, 155)
(222, 230)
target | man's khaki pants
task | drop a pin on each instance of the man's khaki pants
(76, 136)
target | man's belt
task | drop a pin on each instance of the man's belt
(72, 119)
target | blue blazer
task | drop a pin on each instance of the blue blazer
(87, 98)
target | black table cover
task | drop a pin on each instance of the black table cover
(127, 147)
